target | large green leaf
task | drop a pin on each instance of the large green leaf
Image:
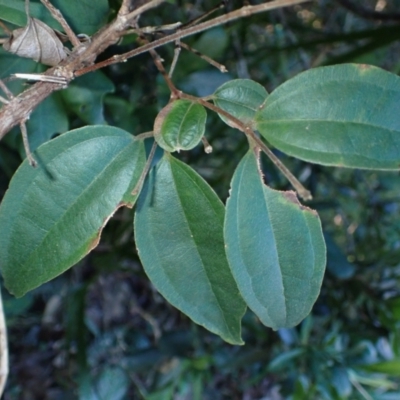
(179, 236)
(240, 98)
(345, 115)
(53, 215)
(275, 248)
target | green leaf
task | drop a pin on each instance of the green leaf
(345, 115)
(13, 11)
(179, 236)
(391, 367)
(11, 64)
(53, 215)
(241, 98)
(84, 16)
(180, 125)
(85, 96)
(275, 248)
(47, 119)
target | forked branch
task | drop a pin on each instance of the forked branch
(82, 58)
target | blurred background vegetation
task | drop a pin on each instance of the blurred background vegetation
(100, 331)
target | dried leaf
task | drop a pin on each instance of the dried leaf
(38, 42)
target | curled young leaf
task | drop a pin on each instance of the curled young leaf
(180, 125)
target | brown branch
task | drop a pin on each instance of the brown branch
(83, 57)
(56, 14)
(248, 131)
(245, 11)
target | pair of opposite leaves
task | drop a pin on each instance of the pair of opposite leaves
(36, 41)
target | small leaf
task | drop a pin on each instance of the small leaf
(241, 98)
(275, 248)
(343, 115)
(179, 236)
(53, 215)
(180, 125)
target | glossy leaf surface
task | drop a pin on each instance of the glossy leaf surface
(344, 115)
(180, 125)
(275, 248)
(53, 215)
(240, 98)
(179, 236)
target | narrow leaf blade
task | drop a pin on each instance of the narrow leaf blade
(53, 215)
(275, 248)
(179, 236)
(344, 115)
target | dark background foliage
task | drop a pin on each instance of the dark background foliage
(100, 331)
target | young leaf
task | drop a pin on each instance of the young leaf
(344, 115)
(275, 248)
(241, 98)
(180, 125)
(53, 215)
(179, 236)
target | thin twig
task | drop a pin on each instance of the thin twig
(300, 189)
(6, 90)
(81, 61)
(56, 14)
(144, 135)
(139, 185)
(25, 140)
(223, 19)
(139, 11)
(212, 62)
(207, 146)
(3, 349)
(177, 52)
(158, 62)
